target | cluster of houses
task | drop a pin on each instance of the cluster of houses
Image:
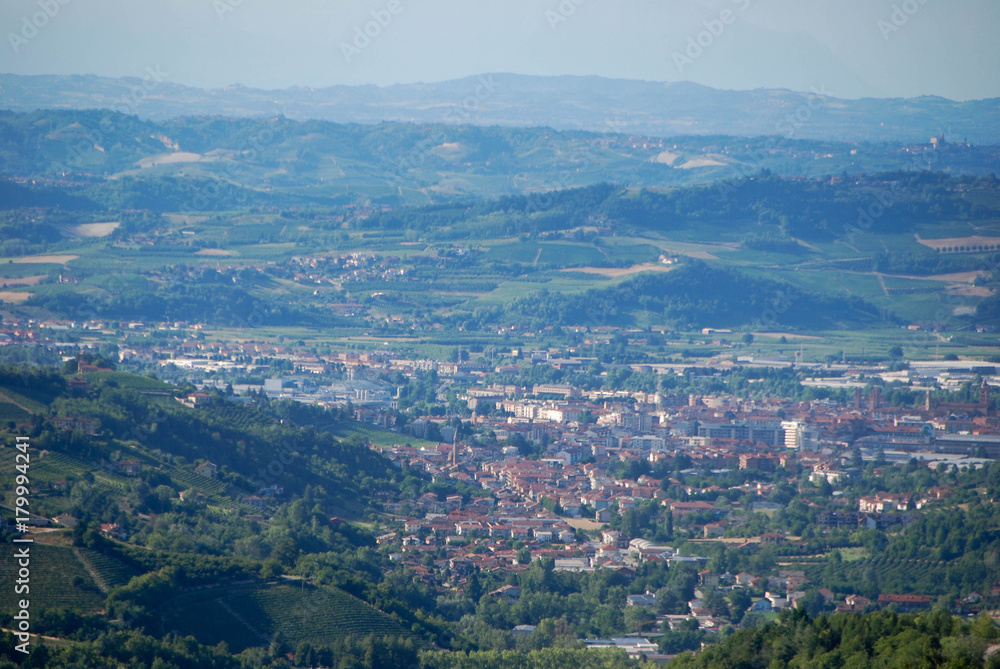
(558, 502)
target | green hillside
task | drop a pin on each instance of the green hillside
(249, 615)
(59, 580)
(140, 558)
(472, 265)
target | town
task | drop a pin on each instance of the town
(592, 479)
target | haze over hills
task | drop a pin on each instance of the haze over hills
(590, 103)
(398, 163)
(467, 335)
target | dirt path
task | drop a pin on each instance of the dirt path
(881, 282)
(4, 397)
(257, 633)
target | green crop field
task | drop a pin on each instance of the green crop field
(10, 270)
(568, 282)
(245, 616)
(629, 254)
(110, 570)
(116, 282)
(13, 412)
(126, 380)
(381, 438)
(189, 479)
(30, 398)
(551, 253)
(58, 580)
(754, 257)
(51, 466)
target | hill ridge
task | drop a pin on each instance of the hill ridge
(563, 102)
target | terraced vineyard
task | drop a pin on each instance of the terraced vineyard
(189, 479)
(67, 465)
(245, 616)
(50, 466)
(13, 412)
(126, 380)
(236, 416)
(21, 397)
(183, 477)
(215, 622)
(314, 613)
(40, 472)
(113, 572)
(58, 580)
(893, 575)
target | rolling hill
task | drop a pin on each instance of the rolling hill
(592, 104)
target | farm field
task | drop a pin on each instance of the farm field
(231, 241)
(380, 438)
(58, 580)
(249, 615)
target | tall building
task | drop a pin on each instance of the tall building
(799, 435)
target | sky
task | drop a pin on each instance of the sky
(845, 48)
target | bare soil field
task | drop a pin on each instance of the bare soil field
(22, 281)
(94, 229)
(41, 260)
(622, 271)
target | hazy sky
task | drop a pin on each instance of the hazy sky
(849, 48)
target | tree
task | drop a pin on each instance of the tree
(638, 618)
(813, 603)
(739, 602)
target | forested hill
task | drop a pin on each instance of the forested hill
(763, 203)
(696, 295)
(122, 417)
(180, 518)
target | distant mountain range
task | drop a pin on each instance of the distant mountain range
(592, 104)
